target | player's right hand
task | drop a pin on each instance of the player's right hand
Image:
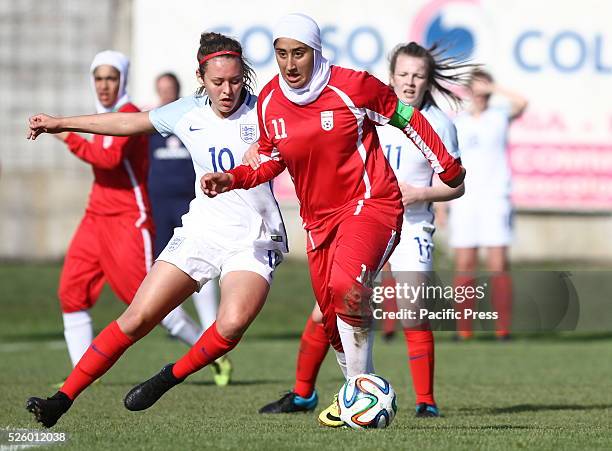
(251, 156)
(215, 183)
(42, 123)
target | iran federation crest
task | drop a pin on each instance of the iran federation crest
(327, 120)
(248, 133)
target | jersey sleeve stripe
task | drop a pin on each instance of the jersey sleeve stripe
(424, 148)
(264, 107)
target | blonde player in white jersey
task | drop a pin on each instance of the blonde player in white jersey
(483, 217)
(239, 237)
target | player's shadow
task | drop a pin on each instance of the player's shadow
(32, 337)
(522, 408)
(237, 383)
(483, 427)
(256, 336)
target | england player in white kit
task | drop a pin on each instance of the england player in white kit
(239, 237)
(415, 176)
(241, 231)
(483, 217)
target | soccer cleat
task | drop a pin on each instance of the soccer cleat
(144, 395)
(388, 337)
(292, 402)
(222, 371)
(330, 417)
(503, 336)
(424, 410)
(48, 411)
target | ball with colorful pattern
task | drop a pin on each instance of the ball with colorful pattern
(367, 401)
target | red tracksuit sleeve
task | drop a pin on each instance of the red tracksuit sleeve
(422, 134)
(96, 154)
(246, 177)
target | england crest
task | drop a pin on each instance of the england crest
(327, 120)
(248, 133)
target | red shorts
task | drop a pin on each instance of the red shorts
(104, 248)
(342, 269)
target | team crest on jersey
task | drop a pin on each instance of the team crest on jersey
(175, 243)
(327, 120)
(248, 133)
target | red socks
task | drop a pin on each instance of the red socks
(104, 351)
(501, 302)
(420, 345)
(464, 325)
(207, 349)
(313, 348)
(389, 305)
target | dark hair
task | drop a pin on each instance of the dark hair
(211, 42)
(174, 78)
(441, 70)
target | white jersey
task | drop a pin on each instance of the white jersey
(483, 142)
(237, 219)
(409, 164)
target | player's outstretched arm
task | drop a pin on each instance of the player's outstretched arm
(215, 183)
(115, 124)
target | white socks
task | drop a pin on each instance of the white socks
(180, 325)
(78, 332)
(357, 343)
(341, 358)
(206, 303)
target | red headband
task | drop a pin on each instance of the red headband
(222, 52)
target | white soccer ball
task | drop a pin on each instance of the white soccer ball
(367, 401)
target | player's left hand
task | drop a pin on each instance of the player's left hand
(251, 156)
(410, 194)
(215, 183)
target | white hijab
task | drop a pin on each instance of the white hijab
(120, 62)
(304, 29)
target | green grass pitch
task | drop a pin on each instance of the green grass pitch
(551, 392)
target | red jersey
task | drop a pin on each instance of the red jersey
(331, 150)
(120, 166)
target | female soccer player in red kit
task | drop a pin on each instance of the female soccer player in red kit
(117, 225)
(319, 122)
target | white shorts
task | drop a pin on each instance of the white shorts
(203, 260)
(486, 223)
(415, 249)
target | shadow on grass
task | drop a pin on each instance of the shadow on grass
(29, 337)
(533, 336)
(522, 408)
(258, 336)
(239, 383)
(484, 427)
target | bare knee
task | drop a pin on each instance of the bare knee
(466, 259)
(497, 259)
(231, 328)
(135, 323)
